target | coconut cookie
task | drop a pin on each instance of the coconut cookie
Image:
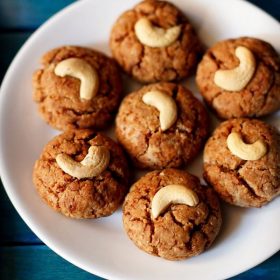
(161, 125)
(82, 174)
(169, 214)
(155, 42)
(240, 78)
(77, 88)
(242, 162)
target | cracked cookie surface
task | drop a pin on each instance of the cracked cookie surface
(181, 231)
(149, 64)
(81, 198)
(138, 128)
(261, 95)
(244, 183)
(58, 98)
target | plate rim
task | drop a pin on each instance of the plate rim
(3, 169)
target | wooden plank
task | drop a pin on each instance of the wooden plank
(9, 45)
(13, 229)
(272, 7)
(28, 14)
(268, 270)
(37, 262)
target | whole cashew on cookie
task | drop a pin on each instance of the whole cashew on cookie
(166, 106)
(94, 163)
(172, 194)
(236, 79)
(153, 36)
(82, 70)
(245, 151)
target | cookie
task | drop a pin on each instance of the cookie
(82, 174)
(139, 126)
(155, 42)
(242, 162)
(240, 78)
(77, 88)
(161, 226)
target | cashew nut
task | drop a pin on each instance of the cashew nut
(94, 163)
(166, 106)
(236, 79)
(172, 194)
(245, 151)
(153, 36)
(80, 69)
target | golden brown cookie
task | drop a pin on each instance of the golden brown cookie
(60, 99)
(258, 75)
(148, 56)
(245, 171)
(92, 186)
(180, 230)
(139, 126)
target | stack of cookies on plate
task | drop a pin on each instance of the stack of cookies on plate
(161, 126)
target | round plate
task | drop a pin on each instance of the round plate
(100, 246)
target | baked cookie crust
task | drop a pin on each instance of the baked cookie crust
(138, 128)
(81, 198)
(261, 96)
(181, 231)
(58, 98)
(153, 64)
(246, 183)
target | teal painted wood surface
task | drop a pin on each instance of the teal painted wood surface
(268, 270)
(22, 254)
(9, 45)
(19, 262)
(13, 230)
(28, 14)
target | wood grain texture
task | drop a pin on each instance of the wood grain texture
(14, 231)
(268, 270)
(272, 7)
(9, 45)
(37, 262)
(28, 14)
(22, 254)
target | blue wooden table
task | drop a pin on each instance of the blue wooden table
(22, 253)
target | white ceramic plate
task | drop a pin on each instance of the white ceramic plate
(100, 246)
